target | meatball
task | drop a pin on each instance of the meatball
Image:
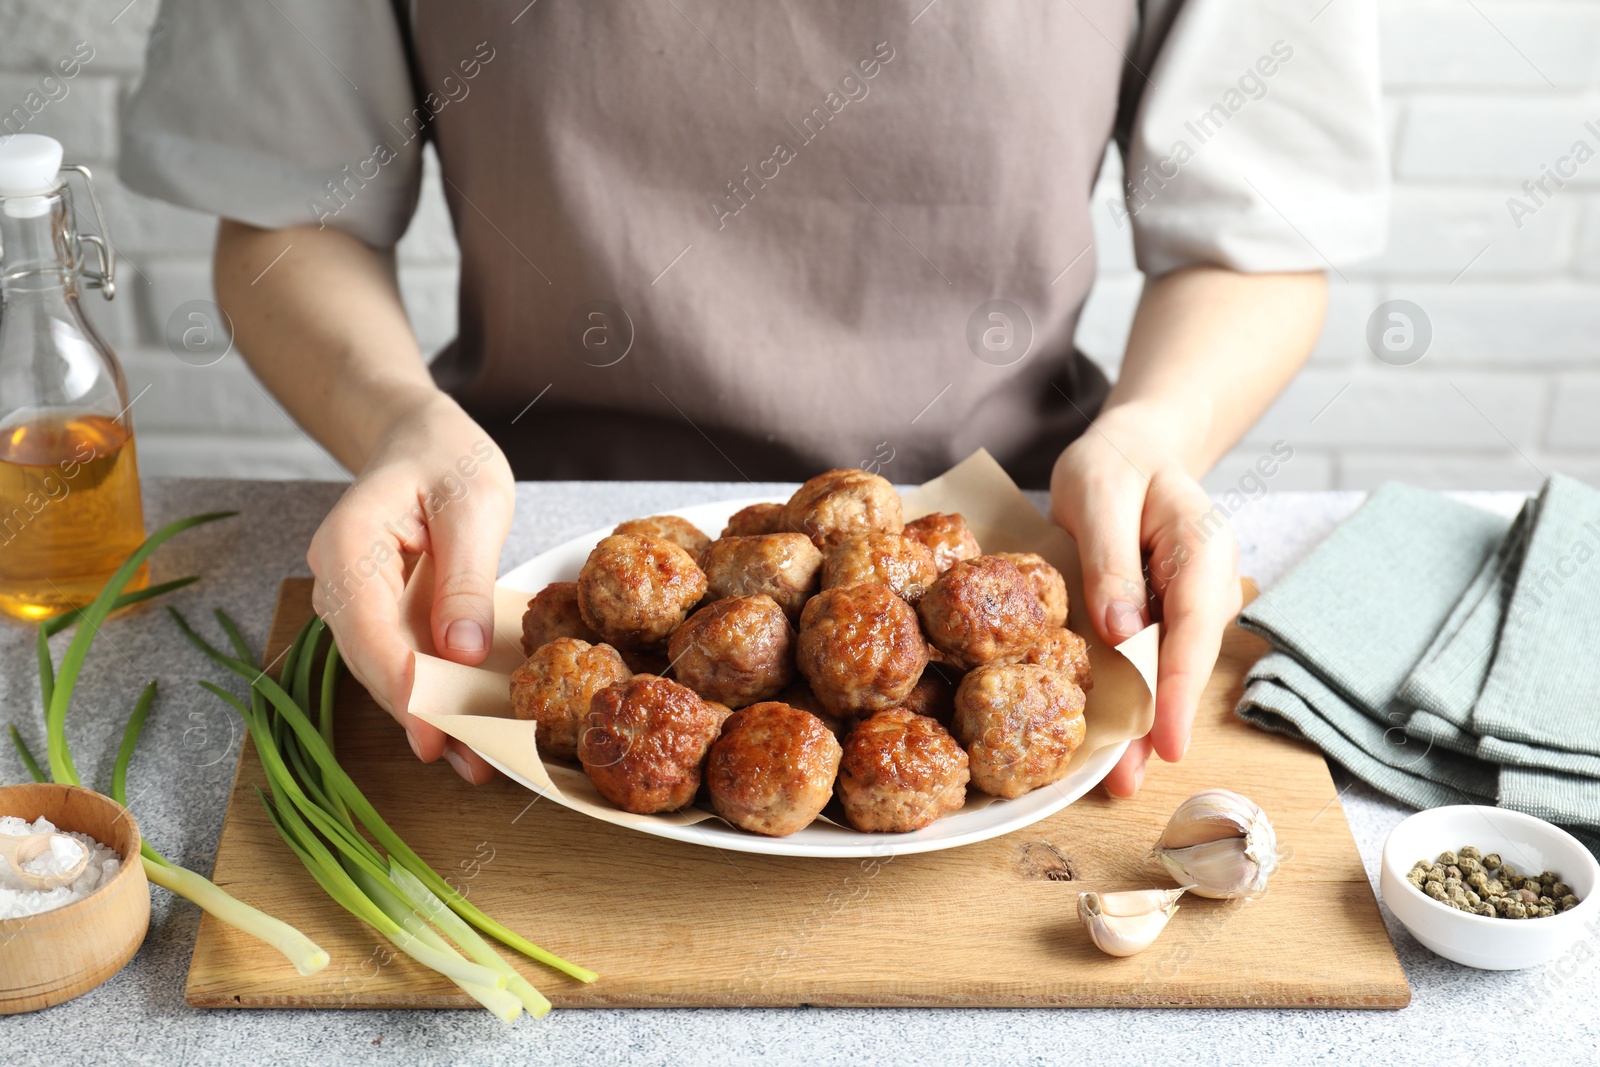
(838, 503)
(772, 770)
(1062, 650)
(980, 611)
(681, 532)
(860, 648)
(738, 651)
(554, 686)
(1048, 585)
(904, 565)
(552, 613)
(799, 695)
(947, 536)
(900, 772)
(1021, 724)
(784, 566)
(934, 695)
(755, 519)
(644, 743)
(635, 589)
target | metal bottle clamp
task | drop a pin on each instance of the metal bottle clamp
(104, 279)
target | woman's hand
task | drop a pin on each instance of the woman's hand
(1124, 493)
(436, 484)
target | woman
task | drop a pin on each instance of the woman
(710, 241)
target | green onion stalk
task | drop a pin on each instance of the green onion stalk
(56, 689)
(331, 827)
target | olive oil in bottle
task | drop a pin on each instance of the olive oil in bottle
(70, 509)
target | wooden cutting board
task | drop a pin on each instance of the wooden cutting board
(672, 924)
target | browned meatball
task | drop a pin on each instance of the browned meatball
(1048, 585)
(552, 613)
(644, 743)
(947, 536)
(739, 650)
(980, 611)
(1021, 724)
(772, 770)
(860, 648)
(934, 694)
(554, 686)
(900, 772)
(904, 565)
(755, 519)
(799, 695)
(681, 532)
(784, 566)
(838, 503)
(1062, 650)
(635, 589)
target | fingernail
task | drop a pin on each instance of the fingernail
(1184, 751)
(459, 762)
(1138, 776)
(415, 748)
(464, 635)
(1123, 619)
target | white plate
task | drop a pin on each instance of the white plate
(976, 822)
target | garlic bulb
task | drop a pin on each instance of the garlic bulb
(1220, 844)
(1121, 924)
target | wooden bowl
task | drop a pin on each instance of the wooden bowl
(50, 958)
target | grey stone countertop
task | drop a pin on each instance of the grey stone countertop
(182, 772)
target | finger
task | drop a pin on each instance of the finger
(1197, 605)
(466, 537)
(356, 592)
(1106, 522)
(467, 763)
(1126, 777)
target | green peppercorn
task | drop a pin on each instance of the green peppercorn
(1568, 902)
(1487, 909)
(1473, 898)
(1560, 889)
(1545, 911)
(1434, 890)
(1495, 888)
(1516, 910)
(1507, 872)
(1446, 858)
(1478, 880)
(1492, 860)
(1436, 873)
(1469, 852)
(1549, 877)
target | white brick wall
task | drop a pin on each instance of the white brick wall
(1481, 97)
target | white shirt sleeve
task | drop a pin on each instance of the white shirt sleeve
(1252, 135)
(279, 114)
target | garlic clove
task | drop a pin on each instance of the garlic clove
(1216, 869)
(1220, 843)
(1138, 901)
(1121, 935)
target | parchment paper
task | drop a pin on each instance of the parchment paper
(473, 704)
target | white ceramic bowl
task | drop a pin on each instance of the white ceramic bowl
(1530, 845)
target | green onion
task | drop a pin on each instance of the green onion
(324, 819)
(57, 694)
(27, 757)
(337, 782)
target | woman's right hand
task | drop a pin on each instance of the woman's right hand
(436, 484)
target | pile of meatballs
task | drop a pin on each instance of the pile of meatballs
(817, 649)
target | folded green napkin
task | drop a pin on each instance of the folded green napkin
(1445, 655)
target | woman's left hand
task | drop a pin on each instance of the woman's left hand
(1144, 525)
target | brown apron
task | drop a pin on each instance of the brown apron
(759, 240)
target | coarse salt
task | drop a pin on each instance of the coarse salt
(18, 900)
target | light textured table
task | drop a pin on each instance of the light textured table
(180, 782)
